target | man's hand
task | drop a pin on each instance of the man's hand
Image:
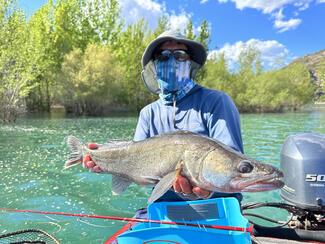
(88, 163)
(182, 185)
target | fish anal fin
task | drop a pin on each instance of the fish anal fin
(119, 184)
(163, 186)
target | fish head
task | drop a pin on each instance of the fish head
(234, 172)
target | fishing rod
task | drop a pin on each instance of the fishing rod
(92, 216)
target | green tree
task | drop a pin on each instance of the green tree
(189, 32)
(44, 60)
(218, 76)
(110, 25)
(90, 80)
(319, 73)
(56, 29)
(298, 80)
(132, 44)
(204, 34)
(245, 78)
(15, 71)
(204, 38)
(163, 25)
(275, 91)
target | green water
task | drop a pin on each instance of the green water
(33, 151)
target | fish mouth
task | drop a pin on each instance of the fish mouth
(259, 183)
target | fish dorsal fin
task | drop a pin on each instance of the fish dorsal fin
(119, 184)
(163, 186)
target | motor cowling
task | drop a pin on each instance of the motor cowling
(303, 165)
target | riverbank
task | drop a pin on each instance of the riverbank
(60, 110)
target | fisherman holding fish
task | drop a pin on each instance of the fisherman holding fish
(170, 63)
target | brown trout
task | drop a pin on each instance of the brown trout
(205, 162)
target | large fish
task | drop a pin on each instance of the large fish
(205, 162)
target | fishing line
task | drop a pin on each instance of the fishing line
(94, 225)
(219, 227)
(289, 208)
(280, 223)
(50, 222)
(53, 223)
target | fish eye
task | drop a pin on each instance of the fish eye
(245, 167)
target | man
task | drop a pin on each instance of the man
(170, 63)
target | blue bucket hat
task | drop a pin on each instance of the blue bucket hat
(196, 50)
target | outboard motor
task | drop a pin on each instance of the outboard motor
(303, 165)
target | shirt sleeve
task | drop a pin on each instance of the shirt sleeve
(224, 122)
(142, 129)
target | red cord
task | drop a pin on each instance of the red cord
(219, 227)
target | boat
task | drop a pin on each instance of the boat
(217, 220)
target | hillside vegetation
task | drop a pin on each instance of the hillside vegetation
(315, 63)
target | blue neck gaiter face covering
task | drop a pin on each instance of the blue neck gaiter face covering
(173, 78)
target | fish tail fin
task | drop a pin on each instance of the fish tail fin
(76, 153)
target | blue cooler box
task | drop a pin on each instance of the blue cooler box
(216, 211)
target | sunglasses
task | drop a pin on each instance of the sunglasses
(179, 55)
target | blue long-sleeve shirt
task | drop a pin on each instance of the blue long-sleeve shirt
(204, 111)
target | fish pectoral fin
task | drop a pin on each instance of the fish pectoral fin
(163, 186)
(119, 184)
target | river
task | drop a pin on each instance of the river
(33, 151)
